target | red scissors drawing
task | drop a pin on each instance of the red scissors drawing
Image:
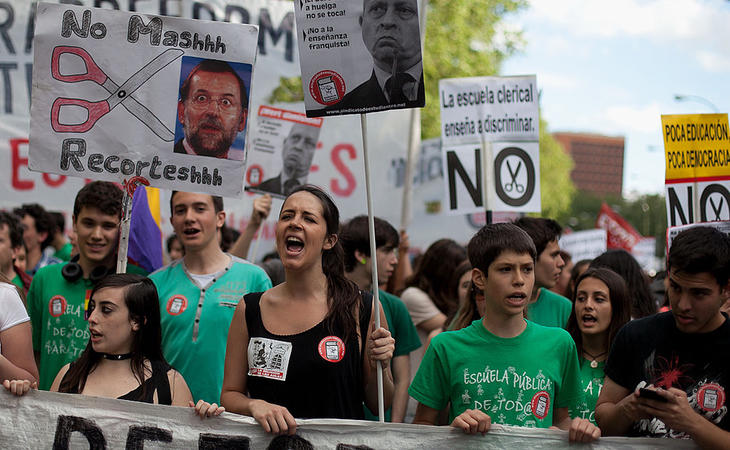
(118, 94)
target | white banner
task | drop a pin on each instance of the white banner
(489, 109)
(582, 245)
(62, 421)
(700, 201)
(111, 80)
(357, 60)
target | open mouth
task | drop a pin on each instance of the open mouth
(589, 319)
(95, 335)
(294, 245)
(189, 232)
(517, 298)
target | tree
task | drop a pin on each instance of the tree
(556, 187)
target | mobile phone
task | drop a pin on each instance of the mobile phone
(650, 394)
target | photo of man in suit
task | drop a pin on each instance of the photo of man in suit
(297, 153)
(212, 110)
(390, 33)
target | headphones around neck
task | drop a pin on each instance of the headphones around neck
(73, 272)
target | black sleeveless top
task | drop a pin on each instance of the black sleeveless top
(314, 374)
(157, 382)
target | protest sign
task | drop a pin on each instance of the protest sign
(584, 244)
(490, 109)
(672, 232)
(133, 95)
(281, 151)
(500, 116)
(697, 177)
(51, 420)
(512, 179)
(359, 56)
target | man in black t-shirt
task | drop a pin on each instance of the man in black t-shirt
(681, 355)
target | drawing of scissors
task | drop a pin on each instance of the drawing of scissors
(520, 188)
(118, 94)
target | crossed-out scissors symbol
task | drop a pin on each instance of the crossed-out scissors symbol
(520, 188)
(118, 94)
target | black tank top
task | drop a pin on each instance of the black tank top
(314, 374)
(157, 382)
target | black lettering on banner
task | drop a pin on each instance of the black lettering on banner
(5, 26)
(137, 27)
(137, 435)
(7, 87)
(286, 28)
(675, 206)
(512, 185)
(68, 424)
(243, 14)
(717, 210)
(113, 3)
(72, 156)
(198, 6)
(208, 441)
(453, 165)
(30, 29)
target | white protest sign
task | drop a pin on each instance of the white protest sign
(586, 244)
(359, 56)
(111, 81)
(513, 180)
(489, 109)
(62, 421)
(672, 232)
(281, 152)
(706, 200)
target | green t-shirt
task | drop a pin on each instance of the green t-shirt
(57, 312)
(516, 381)
(591, 383)
(403, 331)
(17, 281)
(195, 320)
(64, 253)
(550, 309)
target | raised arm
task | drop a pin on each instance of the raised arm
(273, 418)
(261, 209)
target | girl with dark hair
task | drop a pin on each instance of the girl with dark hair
(601, 306)
(308, 347)
(125, 346)
(621, 262)
(471, 301)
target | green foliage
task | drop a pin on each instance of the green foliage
(289, 90)
(555, 184)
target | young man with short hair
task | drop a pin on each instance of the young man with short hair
(37, 233)
(355, 239)
(546, 307)
(59, 294)
(502, 368)
(681, 355)
(11, 241)
(199, 293)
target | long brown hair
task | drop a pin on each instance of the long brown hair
(342, 294)
(433, 273)
(140, 297)
(620, 305)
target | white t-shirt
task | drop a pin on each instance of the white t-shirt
(12, 310)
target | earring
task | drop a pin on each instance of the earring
(363, 261)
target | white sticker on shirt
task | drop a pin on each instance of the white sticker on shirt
(268, 358)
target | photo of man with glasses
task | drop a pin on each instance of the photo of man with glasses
(212, 109)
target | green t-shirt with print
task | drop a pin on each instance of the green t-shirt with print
(550, 309)
(591, 383)
(403, 331)
(516, 381)
(57, 310)
(195, 320)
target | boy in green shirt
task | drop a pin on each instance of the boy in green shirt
(502, 368)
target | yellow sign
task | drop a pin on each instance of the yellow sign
(696, 146)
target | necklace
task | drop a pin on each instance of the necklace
(594, 363)
(116, 357)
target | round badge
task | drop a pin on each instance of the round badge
(254, 175)
(327, 87)
(57, 306)
(331, 349)
(711, 397)
(540, 404)
(176, 305)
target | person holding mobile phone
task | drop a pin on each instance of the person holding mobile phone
(679, 355)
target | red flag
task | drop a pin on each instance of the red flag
(619, 233)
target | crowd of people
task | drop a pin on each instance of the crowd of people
(503, 330)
